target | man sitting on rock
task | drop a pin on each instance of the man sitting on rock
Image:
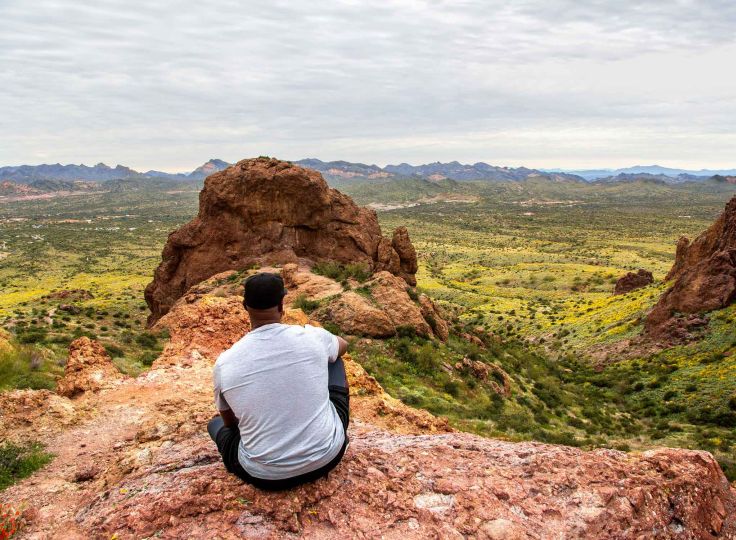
(282, 394)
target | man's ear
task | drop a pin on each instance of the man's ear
(281, 307)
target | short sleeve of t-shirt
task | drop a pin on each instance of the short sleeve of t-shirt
(220, 402)
(326, 339)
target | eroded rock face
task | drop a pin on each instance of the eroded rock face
(356, 315)
(268, 211)
(434, 317)
(389, 292)
(88, 369)
(377, 308)
(27, 414)
(704, 277)
(633, 281)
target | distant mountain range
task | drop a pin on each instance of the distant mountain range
(343, 170)
(28, 174)
(64, 177)
(684, 174)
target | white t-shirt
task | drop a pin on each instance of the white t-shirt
(275, 381)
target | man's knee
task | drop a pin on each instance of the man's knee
(214, 426)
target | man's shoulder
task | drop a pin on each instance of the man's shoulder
(235, 349)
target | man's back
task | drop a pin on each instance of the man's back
(276, 383)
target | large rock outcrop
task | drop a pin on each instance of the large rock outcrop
(137, 463)
(704, 277)
(266, 211)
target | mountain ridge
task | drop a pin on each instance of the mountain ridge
(341, 171)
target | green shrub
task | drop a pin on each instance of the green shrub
(23, 367)
(452, 388)
(113, 350)
(341, 272)
(18, 462)
(305, 304)
(35, 335)
(147, 340)
(147, 357)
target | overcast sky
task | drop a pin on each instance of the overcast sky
(541, 83)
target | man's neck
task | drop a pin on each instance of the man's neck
(264, 322)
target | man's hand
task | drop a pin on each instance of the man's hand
(342, 346)
(229, 419)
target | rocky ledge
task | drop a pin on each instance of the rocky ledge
(133, 460)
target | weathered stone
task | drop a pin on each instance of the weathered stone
(633, 281)
(267, 211)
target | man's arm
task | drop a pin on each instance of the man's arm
(342, 346)
(228, 418)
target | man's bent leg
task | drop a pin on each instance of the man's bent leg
(337, 384)
(336, 374)
(214, 426)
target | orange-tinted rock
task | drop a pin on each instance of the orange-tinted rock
(633, 281)
(88, 369)
(390, 294)
(355, 314)
(407, 255)
(434, 318)
(28, 415)
(704, 277)
(267, 211)
(492, 374)
(415, 487)
(306, 284)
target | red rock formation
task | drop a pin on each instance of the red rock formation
(633, 281)
(434, 317)
(381, 305)
(269, 211)
(88, 369)
(704, 277)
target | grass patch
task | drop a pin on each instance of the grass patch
(27, 367)
(18, 462)
(342, 272)
(305, 304)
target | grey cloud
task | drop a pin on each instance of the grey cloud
(171, 83)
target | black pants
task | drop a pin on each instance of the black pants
(228, 439)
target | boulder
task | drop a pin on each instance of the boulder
(704, 276)
(88, 369)
(302, 282)
(266, 211)
(389, 292)
(355, 314)
(27, 415)
(633, 281)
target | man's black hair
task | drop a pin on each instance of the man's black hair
(263, 291)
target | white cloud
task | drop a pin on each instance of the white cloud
(547, 83)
